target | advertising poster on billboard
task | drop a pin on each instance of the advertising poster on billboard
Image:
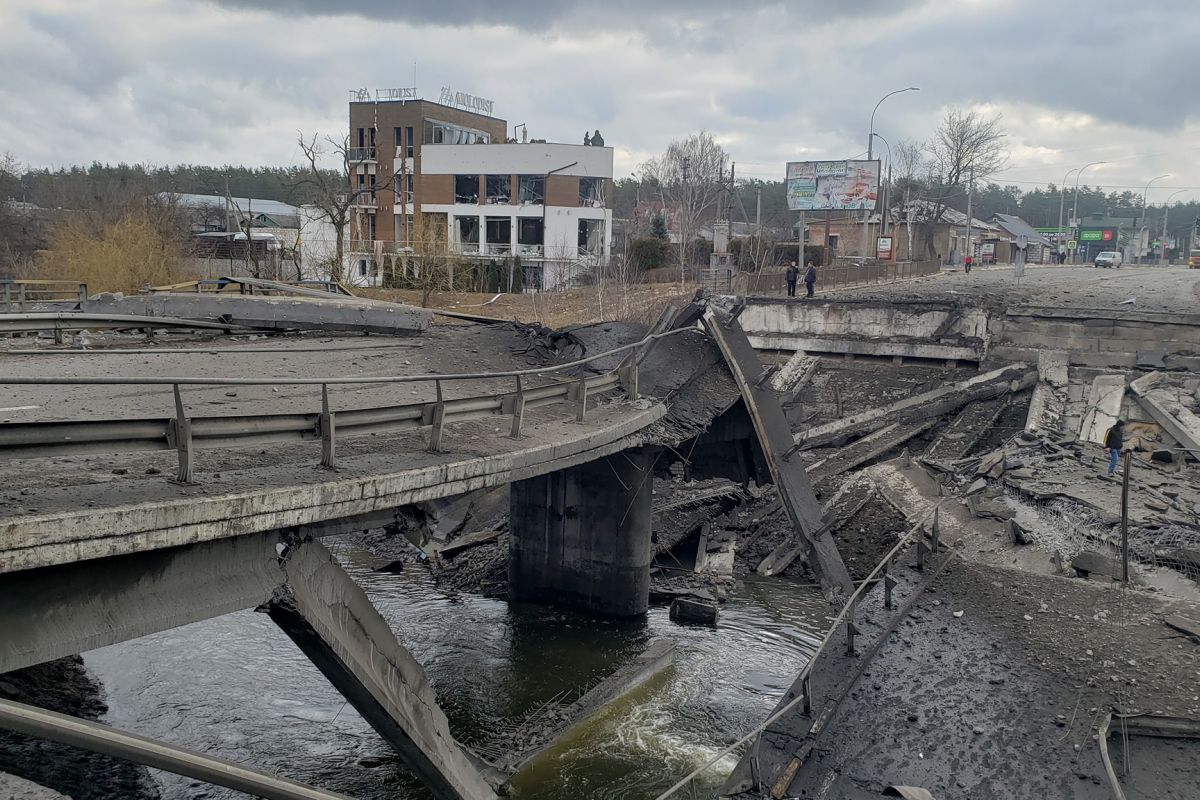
(832, 185)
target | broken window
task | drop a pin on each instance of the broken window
(591, 236)
(466, 189)
(531, 189)
(468, 231)
(499, 188)
(499, 234)
(530, 231)
(591, 192)
(444, 133)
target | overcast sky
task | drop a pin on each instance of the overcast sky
(232, 81)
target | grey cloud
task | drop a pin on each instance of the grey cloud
(540, 15)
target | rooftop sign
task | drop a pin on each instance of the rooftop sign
(467, 102)
(401, 93)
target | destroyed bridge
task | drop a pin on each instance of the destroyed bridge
(140, 498)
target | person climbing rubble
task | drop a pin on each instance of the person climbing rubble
(1114, 440)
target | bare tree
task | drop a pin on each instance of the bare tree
(690, 176)
(965, 147)
(331, 191)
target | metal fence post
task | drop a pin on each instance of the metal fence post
(439, 418)
(181, 432)
(518, 410)
(627, 373)
(328, 431)
(581, 396)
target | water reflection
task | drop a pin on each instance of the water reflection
(238, 688)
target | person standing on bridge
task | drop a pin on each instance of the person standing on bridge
(810, 279)
(790, 276)
(1114, 440)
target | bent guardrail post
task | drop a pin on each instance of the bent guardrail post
(438, 421)
(326, 425)
(628, 375)
(581, 397)
(179, 435)
(518, 409)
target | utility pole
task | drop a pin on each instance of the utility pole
(970, 198)
(683, 242)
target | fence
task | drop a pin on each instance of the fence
(20, 295)
(186, 434)
(840, 275)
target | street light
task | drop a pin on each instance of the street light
(1142, 222)
(1162, 258)
(871, 150)
(887, 187)
(1075, 207)
(1062, 191)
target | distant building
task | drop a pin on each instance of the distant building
(419, 167)
(236, 236)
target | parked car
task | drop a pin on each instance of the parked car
(1108, 258)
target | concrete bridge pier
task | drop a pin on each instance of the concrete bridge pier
(581, 536)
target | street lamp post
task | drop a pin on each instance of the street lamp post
(871, 151)
(1162, 258)
(1062, 192)
(887, 187)
(1075, 208)
(1142, 222)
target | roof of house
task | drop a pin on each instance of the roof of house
(1019, 227)
(244, 204)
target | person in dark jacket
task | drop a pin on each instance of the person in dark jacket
(810, 279)
(1114, 440)
(790, 276)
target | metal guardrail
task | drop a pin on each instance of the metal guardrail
(99, 738)
(843, 623)
(19, 295)
(186, 434)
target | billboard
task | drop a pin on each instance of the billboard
(832, 185)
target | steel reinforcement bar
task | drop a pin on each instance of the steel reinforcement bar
(186, 434)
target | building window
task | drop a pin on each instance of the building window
(444, 133)
(408, 142)
(468, 231)
(466, 189)
(499, 188)
(591, 237)
(499, 234)
(530, 231)
(531, 189)
(591, 192)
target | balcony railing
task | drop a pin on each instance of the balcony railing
(356, 154)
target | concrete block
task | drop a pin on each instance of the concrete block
(688, 611)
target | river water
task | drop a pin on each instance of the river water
(236, 687)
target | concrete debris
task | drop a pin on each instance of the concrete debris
(686, 610)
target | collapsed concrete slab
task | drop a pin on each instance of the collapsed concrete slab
(1049, 399)
(1163, 405)
(1104, 407)
(272, 313)
(775, 437)
(333, 621)
(1014, 377)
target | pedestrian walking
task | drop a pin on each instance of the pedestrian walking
(967, 264)
(1114, 440)
(810, 279)
(791, 275)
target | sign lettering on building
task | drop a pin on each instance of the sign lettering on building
(467, 102)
